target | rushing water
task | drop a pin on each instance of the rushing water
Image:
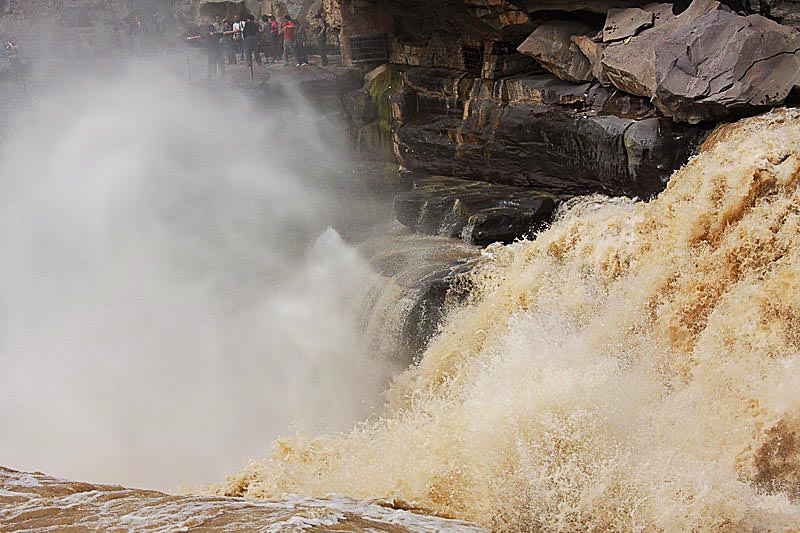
(34, 502)
(634, 368)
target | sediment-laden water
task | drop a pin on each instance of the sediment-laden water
(634, 368)
(33, 502)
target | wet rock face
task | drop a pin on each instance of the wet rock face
(538, 131)
(478, 212)
(724, 64)
(617, 114)
(422, 278)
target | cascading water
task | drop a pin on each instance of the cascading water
(634, 368)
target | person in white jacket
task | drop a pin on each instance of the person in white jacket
(238, 35)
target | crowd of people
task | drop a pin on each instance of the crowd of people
(247, 39)
(229, 41)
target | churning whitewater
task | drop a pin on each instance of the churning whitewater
(635, 367)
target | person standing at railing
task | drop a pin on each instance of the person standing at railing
(276, 40)
(301, 43)
(251, 45)
(213, 44)
(321, 35)
(238, 36)
(229, 48)
(288, 29)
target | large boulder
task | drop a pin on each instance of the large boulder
(550, 44)
(723, 64)
(631, 64)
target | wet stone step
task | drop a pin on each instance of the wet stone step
(478, 212)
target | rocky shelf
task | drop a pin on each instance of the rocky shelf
(480, 213)
(531, 130)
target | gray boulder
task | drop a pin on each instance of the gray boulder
(550, 44)
(725, 64)
(631, 64)
(624, 23)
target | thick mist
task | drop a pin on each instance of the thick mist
(170, 297)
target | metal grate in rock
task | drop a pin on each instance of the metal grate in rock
(473, 58)
(366, 48)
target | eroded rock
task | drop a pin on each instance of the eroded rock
(478, 212)
(630, 64)
(541, 132)
(550, 44)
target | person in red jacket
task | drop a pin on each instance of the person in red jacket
(288, 29)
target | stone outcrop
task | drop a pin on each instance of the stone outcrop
(705, 63)
(724, 64)
(610, 116)
(477, 212)
(551, 45)
(631, 64)
(536, 131)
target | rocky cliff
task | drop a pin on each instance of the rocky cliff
(566, 97)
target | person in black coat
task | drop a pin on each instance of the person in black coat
(211, 39)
